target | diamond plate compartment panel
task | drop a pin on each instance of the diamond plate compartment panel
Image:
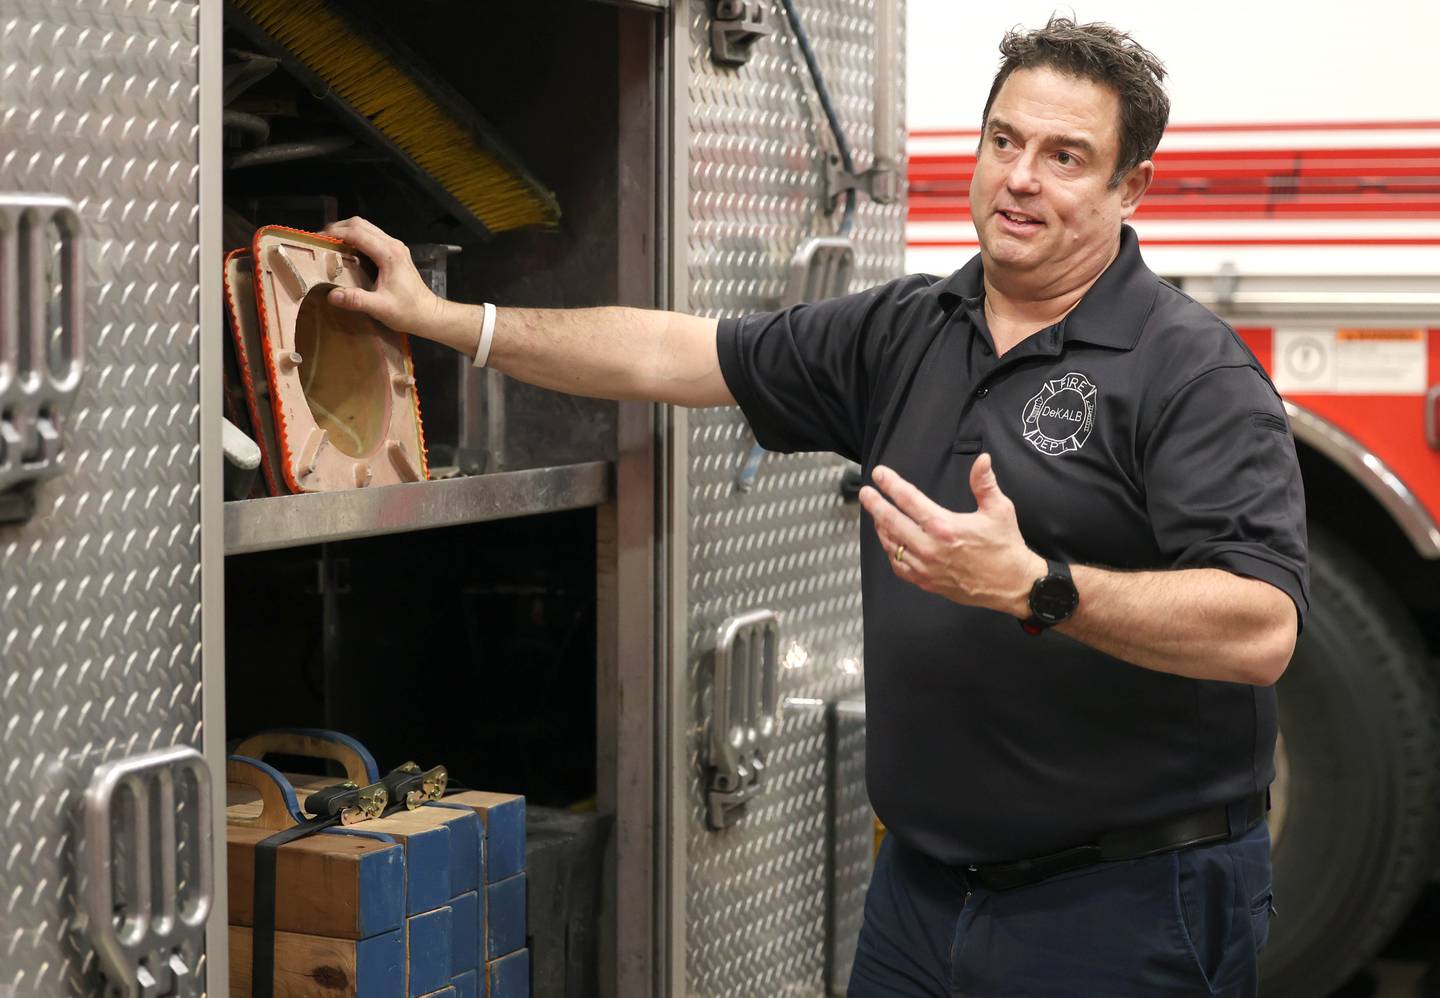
(100, 593)
(756, 915)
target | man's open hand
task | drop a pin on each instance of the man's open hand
(401, 299)
(977, 559)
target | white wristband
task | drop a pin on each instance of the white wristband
(487, 333)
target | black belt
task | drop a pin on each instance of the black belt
(1196, 829)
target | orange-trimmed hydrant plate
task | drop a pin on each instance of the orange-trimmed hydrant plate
(342, 386)
(244, 321)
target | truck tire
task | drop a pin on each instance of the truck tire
(1358, 710)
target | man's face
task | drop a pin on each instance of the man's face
(1040, 197)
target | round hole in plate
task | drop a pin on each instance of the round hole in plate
(342, 373)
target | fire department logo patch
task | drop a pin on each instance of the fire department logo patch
(1059, 419)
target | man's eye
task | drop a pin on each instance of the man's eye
(1064, 158)
(1001, 142)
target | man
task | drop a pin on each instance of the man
(1072, 759)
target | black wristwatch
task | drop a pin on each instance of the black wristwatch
(1053, 598)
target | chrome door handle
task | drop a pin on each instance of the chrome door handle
(42, 342)
(141, 936)
(744, 712)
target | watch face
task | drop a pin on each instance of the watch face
(1054, 598)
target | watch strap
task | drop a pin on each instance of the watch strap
(1053, 569)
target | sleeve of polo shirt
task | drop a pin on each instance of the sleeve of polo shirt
(801, 375)
(1222, 482)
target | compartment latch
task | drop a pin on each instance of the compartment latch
(735, 28)
(148, 890)
(42, 304)
(744, 713)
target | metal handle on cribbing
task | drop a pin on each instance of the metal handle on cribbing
(42, 342)
(744, 703)
(143, 938)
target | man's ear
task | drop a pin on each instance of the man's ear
(1134, 186)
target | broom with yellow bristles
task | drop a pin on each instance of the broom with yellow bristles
(433, 131)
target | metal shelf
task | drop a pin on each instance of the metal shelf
(313, 518)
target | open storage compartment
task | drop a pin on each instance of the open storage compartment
(477, 619)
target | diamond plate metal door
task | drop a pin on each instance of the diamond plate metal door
(756, 919)
(100, 593)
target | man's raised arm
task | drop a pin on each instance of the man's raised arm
(615, 353)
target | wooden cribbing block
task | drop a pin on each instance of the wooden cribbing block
(427, 856)
(242, 804)
(509, 976)
(466, 985)
(315, 743)
(465, 839)
(307, 966)
(327, 884)
(428, 947)
(504, 916)
(503, 818)
(466, 836)
(467, 921)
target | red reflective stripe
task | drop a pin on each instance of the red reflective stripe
(927, 210)
(1309, 126)
(1244, 126)
(1285, 160)
(1237, 183)
(1232, 241)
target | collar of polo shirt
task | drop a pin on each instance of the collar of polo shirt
(1113, 311)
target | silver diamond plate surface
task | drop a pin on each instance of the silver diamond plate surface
(756, 918)
(854, 834)
(100, 593)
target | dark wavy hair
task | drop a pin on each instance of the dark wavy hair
(1105, 55)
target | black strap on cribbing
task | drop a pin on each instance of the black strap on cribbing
(262, 936)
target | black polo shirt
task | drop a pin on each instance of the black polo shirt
(1137, 433)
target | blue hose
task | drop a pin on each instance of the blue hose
(802, 38)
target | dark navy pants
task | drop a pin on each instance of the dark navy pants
(1177, 924)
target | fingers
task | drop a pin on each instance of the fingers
(368, 238)
(910, 500)
(355, 299)
(903, 558)
(983, 483)
(892, 524)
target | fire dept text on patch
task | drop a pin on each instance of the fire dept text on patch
(1060, 417)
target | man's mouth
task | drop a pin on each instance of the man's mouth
(1020, 218)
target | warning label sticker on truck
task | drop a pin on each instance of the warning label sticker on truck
(1350, 361)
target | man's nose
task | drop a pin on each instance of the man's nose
(1024, 178)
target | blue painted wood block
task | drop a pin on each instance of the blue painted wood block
(466, 908)
(427, 858)
(345, 968)
(382, 885)
(505, 917)
(429, 945)
(509, 976)
(466, 985)
(466, 834)
(503, 817)
(380, 965)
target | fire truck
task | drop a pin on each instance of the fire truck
(1296, 194)
(617, 609)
